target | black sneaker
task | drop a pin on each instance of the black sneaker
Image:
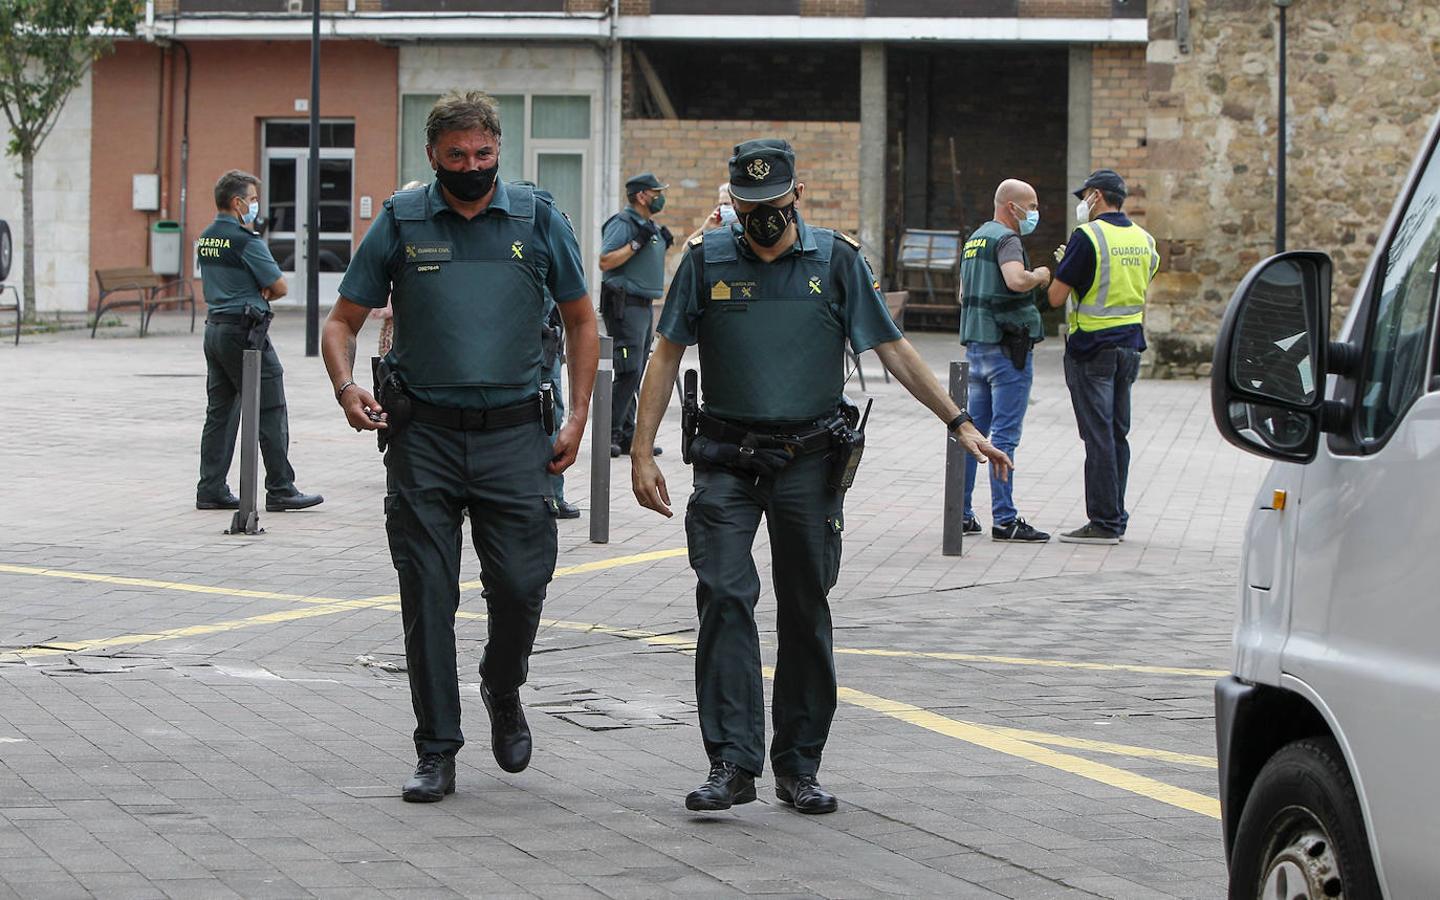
(971, 525)
(1090, 534)
(1018, 532)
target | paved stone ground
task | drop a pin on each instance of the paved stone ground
(218, 716)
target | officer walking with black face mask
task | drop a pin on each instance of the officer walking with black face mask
(632, 260)
(771, 302)
(468, 261)
(240, 279)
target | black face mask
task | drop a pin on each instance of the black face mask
(468, 186)
(766, 224)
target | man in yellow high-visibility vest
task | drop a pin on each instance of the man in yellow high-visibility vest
(1103, 276)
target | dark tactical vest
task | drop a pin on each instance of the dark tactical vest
(469, 316)
(771, 335)
(988, 302)
(222, 246)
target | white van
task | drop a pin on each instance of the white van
(1329, 730)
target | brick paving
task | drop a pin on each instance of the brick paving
(263, 760)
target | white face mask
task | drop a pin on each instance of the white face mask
(1082, 212)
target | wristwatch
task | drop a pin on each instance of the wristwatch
(635, 246)
(958, 421)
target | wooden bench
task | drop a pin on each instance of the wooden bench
(138, 286)
(12, 307)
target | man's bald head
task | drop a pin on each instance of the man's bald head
(1013, 190)
(1013, 199)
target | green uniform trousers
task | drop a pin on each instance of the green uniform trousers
(224, 364)
(805, 519)
(434, 475)
(633, 329)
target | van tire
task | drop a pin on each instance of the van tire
(1302, 823)
(7, 251)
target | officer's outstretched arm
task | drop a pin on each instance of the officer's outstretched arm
(904, 362)
(646, 478)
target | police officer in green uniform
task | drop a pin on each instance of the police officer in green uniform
(999, 324)
(240, 279)
(632, 260)
(467, 260)
(771, 302)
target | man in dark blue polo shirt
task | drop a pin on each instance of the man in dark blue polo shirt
(468, 262)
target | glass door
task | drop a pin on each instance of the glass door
(285, 203)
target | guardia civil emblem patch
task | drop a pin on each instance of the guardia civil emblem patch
(758, 169)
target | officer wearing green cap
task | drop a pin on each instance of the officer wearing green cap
(469, 261)
(632, 263)
(770, 302)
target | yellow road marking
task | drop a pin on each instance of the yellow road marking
(1058, 740)
(165, 585)
(1020, 743)
(1005, 741)
(596, 566)
(321, 606)
(288, 615)
(1038, 663)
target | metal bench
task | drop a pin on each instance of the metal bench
(141, 287)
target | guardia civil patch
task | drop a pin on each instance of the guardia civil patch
(429, 252)
(720, 291)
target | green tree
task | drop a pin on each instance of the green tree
(46, 47)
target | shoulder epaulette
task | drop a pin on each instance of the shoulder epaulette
(696, 241)
(847, 239)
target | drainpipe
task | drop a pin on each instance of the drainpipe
(184, 159)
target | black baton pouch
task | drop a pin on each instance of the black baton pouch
(547, 406)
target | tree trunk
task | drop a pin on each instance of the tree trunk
(27, 194)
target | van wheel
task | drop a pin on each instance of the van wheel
(1301, 833)
(6, 250)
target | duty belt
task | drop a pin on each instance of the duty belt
(804, 437)
(457, 419)
(227, 319)
(637, 300)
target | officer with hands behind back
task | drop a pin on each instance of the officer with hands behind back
(771, 302)
(632, 260)
(240, 278)
(468, 261)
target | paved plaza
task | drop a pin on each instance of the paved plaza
(188, 714)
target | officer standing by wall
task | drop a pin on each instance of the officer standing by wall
(240, 278)
(1108, 264)
(632, 260)
(468, 261)
(999, 324)
(771, 302)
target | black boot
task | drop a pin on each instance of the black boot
(805, 794)
(434, 778)
(728, 784)
(509, 733)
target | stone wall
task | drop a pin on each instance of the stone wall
(62, 209)
(1364, 85)
(691, 156)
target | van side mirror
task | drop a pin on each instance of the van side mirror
(1267, 387)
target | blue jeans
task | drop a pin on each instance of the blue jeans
(999, 395)
(1100, 392)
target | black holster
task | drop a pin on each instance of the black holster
(848, 447)
(390, 394)
(1015, 340)
(259, 323)
(547, 406)
(689, 415)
